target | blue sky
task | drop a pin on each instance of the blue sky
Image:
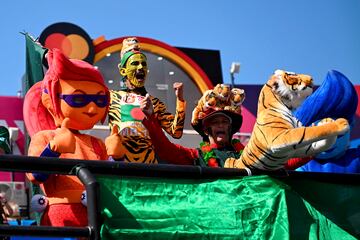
(304, 36)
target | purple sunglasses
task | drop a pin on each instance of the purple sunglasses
(81, 100)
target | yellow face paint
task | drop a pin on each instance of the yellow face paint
(136, 70)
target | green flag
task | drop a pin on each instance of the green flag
(255, 207)
(34, 57)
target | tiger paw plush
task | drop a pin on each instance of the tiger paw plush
(223, 94)
(277, 134)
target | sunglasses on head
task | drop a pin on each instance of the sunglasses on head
(81, 100)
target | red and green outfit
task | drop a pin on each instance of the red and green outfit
(205, 155)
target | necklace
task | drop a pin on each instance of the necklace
(209, 155)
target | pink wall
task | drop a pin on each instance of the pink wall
(11, 115)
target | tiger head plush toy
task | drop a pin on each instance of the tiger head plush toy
(237, 97)
(223, 94)
(277, 134)
(206, 102)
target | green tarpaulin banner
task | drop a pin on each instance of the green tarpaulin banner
(255, 207)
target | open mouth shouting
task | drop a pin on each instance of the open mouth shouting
(220, 134)
(140, 75)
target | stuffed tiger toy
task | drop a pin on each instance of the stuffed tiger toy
(277, 134)
(237, 97)
(207, 101)
(223, 92)
(125, 112)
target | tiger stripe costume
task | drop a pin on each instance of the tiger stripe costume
(277, 134)
(125, 113)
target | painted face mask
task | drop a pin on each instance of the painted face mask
(135, 70)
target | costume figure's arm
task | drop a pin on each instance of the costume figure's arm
(172, 124)
(51, 144)
(166, 150)
(40, 146)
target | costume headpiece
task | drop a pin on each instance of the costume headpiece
(220, 100)
(61, 67)
(130, 46)
(36, 116)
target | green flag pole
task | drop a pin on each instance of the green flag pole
(34, 73)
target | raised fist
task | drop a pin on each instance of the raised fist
(179, 91)
(146, 105)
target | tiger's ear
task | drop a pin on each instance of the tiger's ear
(279, 72)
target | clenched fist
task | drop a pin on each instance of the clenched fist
(147, 106)
(179, 90)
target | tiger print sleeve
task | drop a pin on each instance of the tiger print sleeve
(166, 150)
(172, 124)
(114, 109)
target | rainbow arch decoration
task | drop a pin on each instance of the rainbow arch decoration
(199, 77)
(74, 42)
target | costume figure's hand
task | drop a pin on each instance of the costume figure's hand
(147, 106)
(64, 140)
(113, 143)
(179, 90)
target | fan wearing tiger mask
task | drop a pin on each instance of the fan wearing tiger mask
(277, 135)
(74, 94)
(125, 112)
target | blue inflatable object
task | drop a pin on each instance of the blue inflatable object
(335, 98)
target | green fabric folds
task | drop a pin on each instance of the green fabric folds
(34, 57)
(257, 207)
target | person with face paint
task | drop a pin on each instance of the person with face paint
(74, 94)
(216, 125)
(125, 112)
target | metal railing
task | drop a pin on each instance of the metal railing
(86, 171)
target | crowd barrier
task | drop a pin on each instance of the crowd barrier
(139, 201)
